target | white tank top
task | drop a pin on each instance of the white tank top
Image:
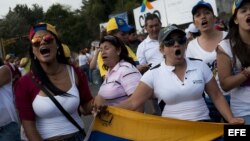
(240, 99)
(50, 121)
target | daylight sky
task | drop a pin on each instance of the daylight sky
(6, 4)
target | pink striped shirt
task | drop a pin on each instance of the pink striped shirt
(119, 83)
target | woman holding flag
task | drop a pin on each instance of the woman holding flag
(178, 83)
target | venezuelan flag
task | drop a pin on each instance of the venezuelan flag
(123, 125)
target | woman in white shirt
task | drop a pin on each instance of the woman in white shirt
(178, 82)
(204, 47)
(233, 60)
(84, 59)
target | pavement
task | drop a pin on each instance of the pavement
(87, 120)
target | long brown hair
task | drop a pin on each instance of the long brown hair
(239, 48)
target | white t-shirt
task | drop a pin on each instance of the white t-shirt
(240, 96)
(183, 99)
(194, 50)
(83, 59)
(148, 52)
(7, 106)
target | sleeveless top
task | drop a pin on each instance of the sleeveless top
(50, 121)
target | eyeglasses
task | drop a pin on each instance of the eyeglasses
(171, 42)
(36, 42)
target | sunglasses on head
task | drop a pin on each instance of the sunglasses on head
(170, 42)
(110, 38)
(36, 42)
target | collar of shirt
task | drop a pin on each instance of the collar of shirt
(117, 66)
(148, 39)
(190, 67)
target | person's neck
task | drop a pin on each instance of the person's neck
(52, 69)
(152, 37)
(176, 65)
(111, 67)
(245, 36)
(210, 34)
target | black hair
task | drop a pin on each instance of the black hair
(38, 71)
(118, 44)
(238, 47)
(132, 30)
(151, 17)
(1, 61)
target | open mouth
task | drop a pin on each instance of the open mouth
(177, 52)
(44, 50)
(204, 23)
(104, 57)
(248, 20)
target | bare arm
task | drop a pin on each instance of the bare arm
(228, 81)
(143, 68)
(220, 102)
(31, 131)
(87, 108)
(142, 93)
(93, 61)
(4, 75)
(135, 102)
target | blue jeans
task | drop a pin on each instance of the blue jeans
(10, 132)
(247, 119)
(96, 77)
(85, 68)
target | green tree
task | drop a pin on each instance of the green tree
(15, 26)
(76, 28)
(100, 11)
(68, 24)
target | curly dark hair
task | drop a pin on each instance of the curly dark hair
(118, 44)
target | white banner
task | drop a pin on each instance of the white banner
(170, 12)
(179, 11)
(102, 26)
(158, 8)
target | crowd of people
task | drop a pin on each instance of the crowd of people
(200, 74)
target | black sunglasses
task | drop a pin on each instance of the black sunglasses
(171, 42)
